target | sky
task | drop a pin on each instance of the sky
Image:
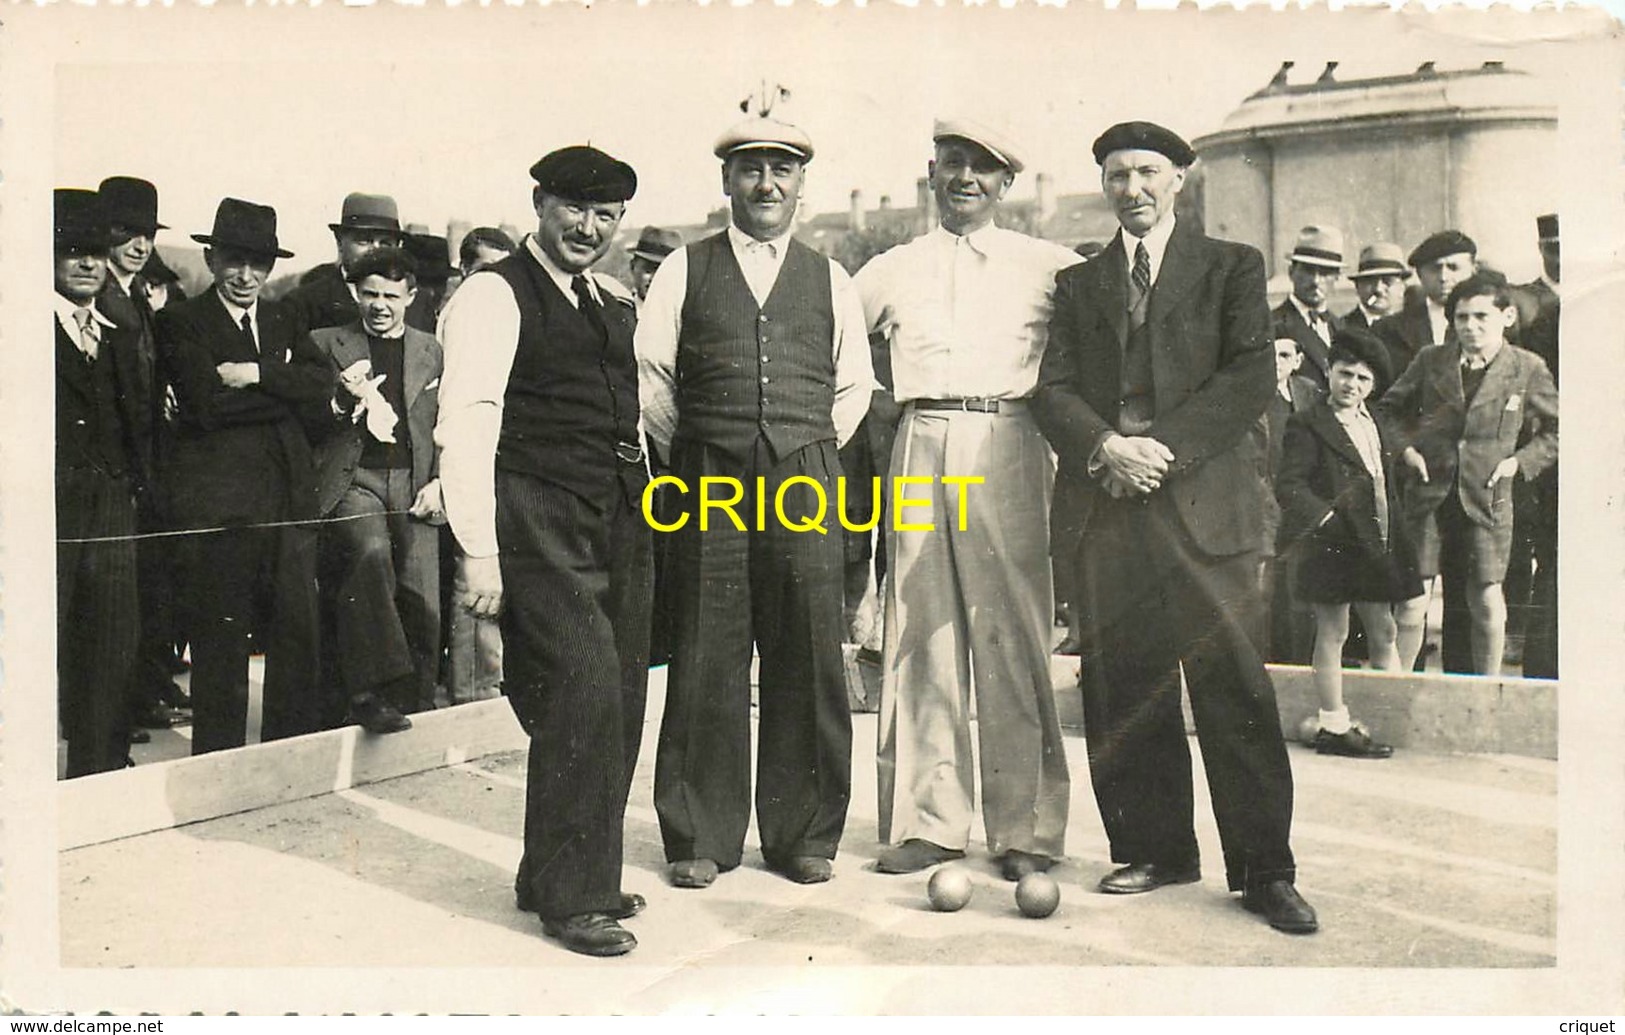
(447, 109)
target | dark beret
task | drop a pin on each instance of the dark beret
(1445, 242)
(583, 173)
(1360, 344)
(1143, 136)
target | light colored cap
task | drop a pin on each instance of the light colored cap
(760, 133)
(996, 143)
(1319, 246)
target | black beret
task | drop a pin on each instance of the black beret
(1143, 136)
(1445, 242)
(583, 173)
(1360, 344)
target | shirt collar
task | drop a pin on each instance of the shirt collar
(563, 279)
(1156, 244)
(65, 308)
(1549, 282)
(125, 280)
(236, 312)
(743, 242)
(1304, 311)
(1370, 317)
(984, 240)
(1352, 416)
(1484, 358)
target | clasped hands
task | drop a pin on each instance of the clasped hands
(1135, 465)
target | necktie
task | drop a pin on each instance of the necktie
(1140, 285)
(1317, 323)
(587, 304)
(88, 339)
(248, 333)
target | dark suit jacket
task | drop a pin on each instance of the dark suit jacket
(1407, 333)
(1532, 299)
(323, 299)
(241, 454)
(1213, 370)
(1356, 318)
(75, 399)
(1462, 444)
(1322, 473)
(338, 452)
(1287, 322)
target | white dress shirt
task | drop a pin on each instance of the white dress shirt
(1156, 246)
(236, 314)
(479, 331)
(1362, 431)
(1436, 320)
(969, 315)
(1310, 316)
(660, 324)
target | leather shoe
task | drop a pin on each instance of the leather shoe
(631, 903)
(1069, 646)
(152, 717)
(693, 873)
(1356, 743)
(913, 855)
(591, 934)
(139, 736)
(1016, 864)
(803, 869)
(375, 716)
(1279, 903)
(1136, 878)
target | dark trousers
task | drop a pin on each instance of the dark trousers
(575, 653)
(264, 580)
(1455, 562)
(381, 587)
(1540, 638)
(97, 617)
(781, 591)
(151, 681)
(1155, 602)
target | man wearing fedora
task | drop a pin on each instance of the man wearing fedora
(1314, 266)
(1379, 284)
(1151, 390)
(968, 308)
(325, 296)
(103, 467)
(131, 206)
(1441, 262)
(244, 372)
(431, 257)
(654, 244)
(544, 477)
(754, 365)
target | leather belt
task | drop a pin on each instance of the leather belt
(629, 452)
(969, 405)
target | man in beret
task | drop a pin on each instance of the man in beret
(326, 296)
(1151, 391)
(966, 308)
(1441, 262)
(1314, 266)
(754, 365)
(131, 206)
(245, 374)
(103, 467)
(543, 478)
(1379, 283)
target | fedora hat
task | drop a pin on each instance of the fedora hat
(1319, 246)
(1382, 259)
(368, 212)
(654, 244)
(245, 226)
(131, 203)
(429, 253)
(80, 221)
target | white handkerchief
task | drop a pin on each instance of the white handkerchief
(1514, 401)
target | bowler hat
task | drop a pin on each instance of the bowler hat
(368, 212)
(1319, 246)
(1381, 260)
(655, 243)
(430, 254)
(1445, 242)
(993, 141)
(1546, 226)
(245, 226)
(583, 173)
(1143, 136)
(760, 133)
(157, 271)
(1360, 344)
(131, 203)
(81, 221)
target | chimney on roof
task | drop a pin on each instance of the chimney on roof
(1043, 188)
(1328, 74)
(885, 203)
(856, 219)
(1280, 75)
(1495, 66)
(926, 201)
(1427, 68)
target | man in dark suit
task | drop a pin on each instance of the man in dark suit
(1291, 625)
(132, 209)
(102, 469)
(325, 296)
(1541, 293)
(243, 369)
(1379, 281)
(1314, 266)
(377, 477)
(1152, 392)
(432, 255)
(1441, 262)
(543, 477)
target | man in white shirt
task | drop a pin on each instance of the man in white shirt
(754, 366)
(966, 308)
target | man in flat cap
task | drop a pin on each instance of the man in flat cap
(1313, 266)
(543, 477)
(1158, 370)
(245, 373)
(1441, 262)
(325, 296)
(755, 367)
(103, 466)
(131, 206)
(1379, 283)
(966, 308)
